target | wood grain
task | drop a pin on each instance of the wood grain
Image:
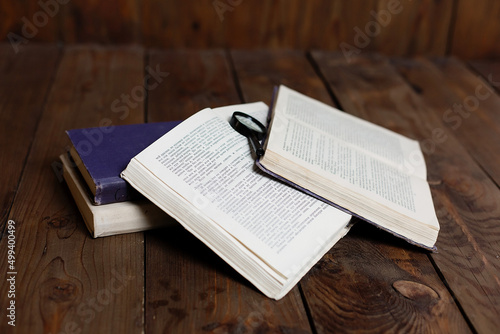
(476, 30)
(189, 289)
(260, 71)
(465, 198)
(20, 110)
(196, 79)
(181, 24)
(407, 28)
(466, 104)
(373, 282)
(413, 27)
(27, 21)
(382, 25)
(370, 281)
(107, 22)
(489, 69)
(66, 281)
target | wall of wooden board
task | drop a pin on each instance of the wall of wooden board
(464, 28)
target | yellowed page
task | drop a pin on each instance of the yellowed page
(210, 165)
(328, 147)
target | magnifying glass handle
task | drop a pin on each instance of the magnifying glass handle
(257, 147)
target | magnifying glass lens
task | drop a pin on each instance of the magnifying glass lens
(249, 123)
(251, 128)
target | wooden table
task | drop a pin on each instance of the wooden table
(166, 281)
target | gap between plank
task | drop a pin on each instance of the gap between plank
(451, 28)
(307, 309)
(452, 294)
(145, 63)
(317, 70)
(232, 69)
(30, 146)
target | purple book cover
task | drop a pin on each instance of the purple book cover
(106, 151)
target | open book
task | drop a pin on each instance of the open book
(359, 167)
(202, 173)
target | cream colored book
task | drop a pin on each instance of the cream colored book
(115, 218)
(203, 174)
(359, 167)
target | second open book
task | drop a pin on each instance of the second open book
(364, 169)
(203, 174)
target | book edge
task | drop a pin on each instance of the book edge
(279, 177)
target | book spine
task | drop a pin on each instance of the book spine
(113, 190)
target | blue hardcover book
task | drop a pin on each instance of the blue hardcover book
(102, 153)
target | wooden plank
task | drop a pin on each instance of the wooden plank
(466, 200)
(188, 288)
(181, 24)
(489, 69)
(195, 80)
(394, 27)
(373, 282)
(355, 286)
(260, 71)
(404, 26)
(466, 104)
(66, 281)
(476, 29)
(26, 21)
(20, 110)
(116, 22)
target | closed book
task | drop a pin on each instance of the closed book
(102, 153)
(115, 218)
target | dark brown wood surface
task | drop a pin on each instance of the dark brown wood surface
(93, 21)
(66, 281)
(188, 288)
(301, 25)
(472, 195)
(465, 198)
(465, 103)
(367, 272)
(166, 281)
(476, 21)
(464, 28)
(33, 66)
(489, 70)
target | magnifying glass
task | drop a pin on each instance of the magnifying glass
(251, 128)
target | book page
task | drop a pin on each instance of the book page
(351, 152)
(209, 164)
(306, 116)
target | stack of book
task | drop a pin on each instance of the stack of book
(270, 214)
(92, 170)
